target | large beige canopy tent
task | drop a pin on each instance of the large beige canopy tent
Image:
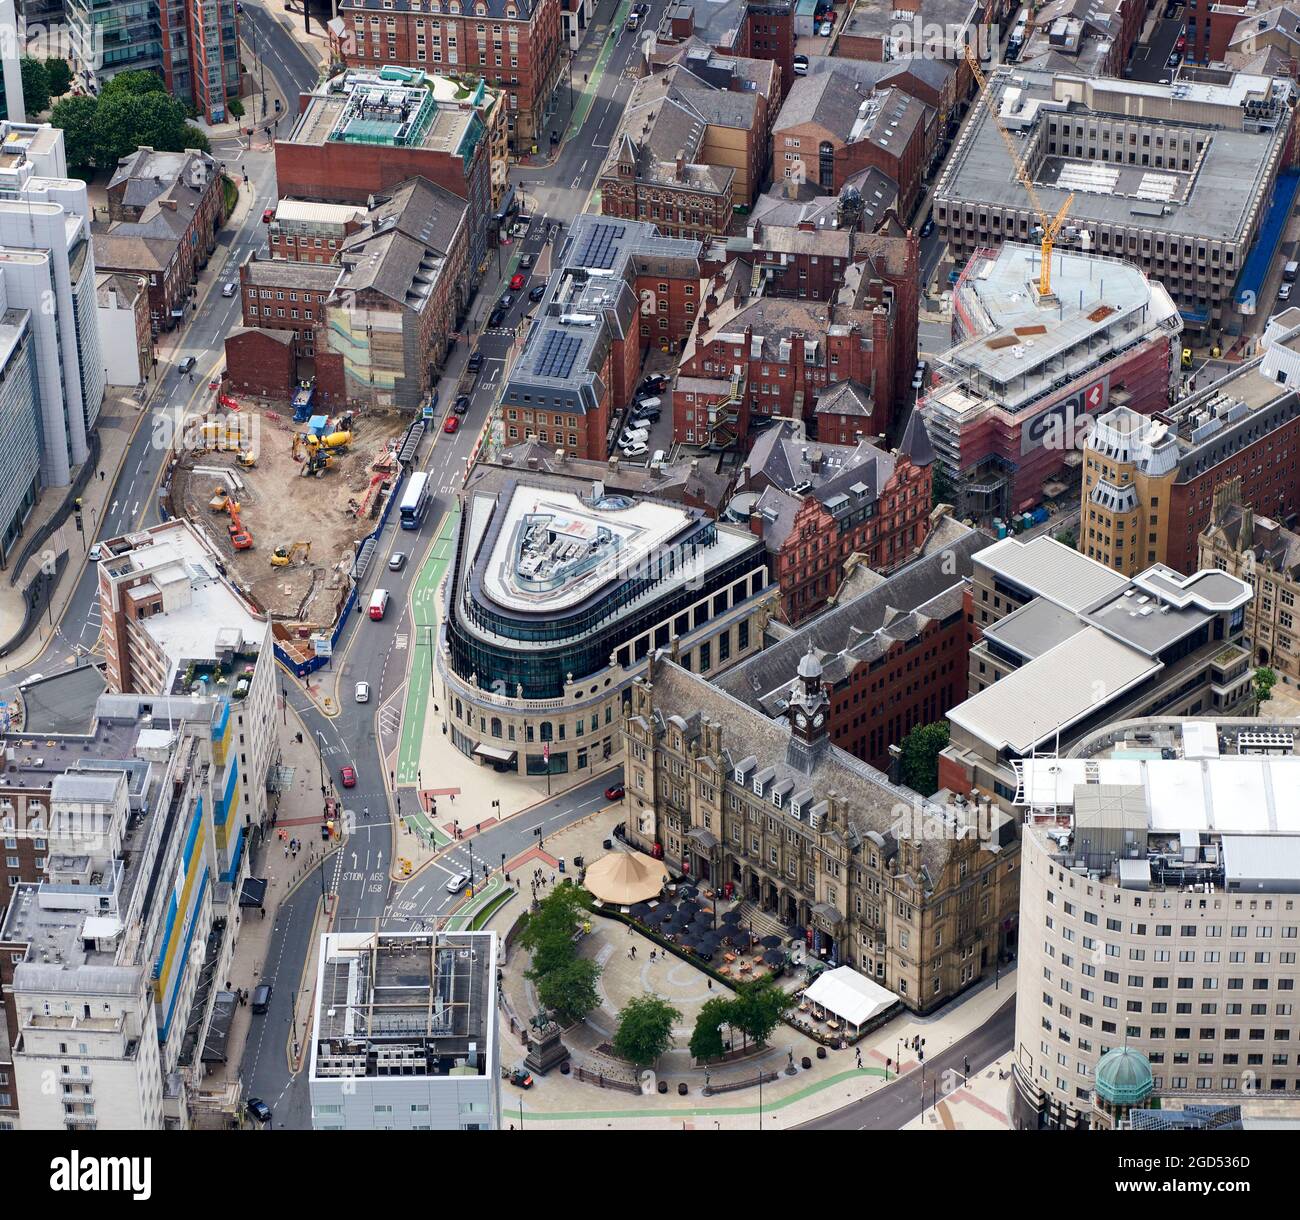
(624, 877)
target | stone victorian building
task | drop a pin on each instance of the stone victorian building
(919, 895)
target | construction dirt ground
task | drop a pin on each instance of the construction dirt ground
(279, 507)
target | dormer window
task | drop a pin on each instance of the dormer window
(776, 798)
(796, 810)
(758, 785)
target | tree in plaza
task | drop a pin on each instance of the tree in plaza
(706, 1038)
(58, 72)
(645, 1029)
(125, 121)
(920, 758)
(36, 85)
(76, 117)
(548, 931)
(1265, 680)
(942, 490)
(758, 1008)
(569, 990)
(1067, 537)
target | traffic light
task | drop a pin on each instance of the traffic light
(76, 513)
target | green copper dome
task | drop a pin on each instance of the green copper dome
(1124, 1077)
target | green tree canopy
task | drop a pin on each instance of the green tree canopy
(36, 86)
(1265, 680)
(645, 1029)
(125, 121)
(76, 117)
(758, 1008)
(58, 72)
(570, 989)
(137, 82)
(942, 490)
(706, 1038)
(548, 932)
(920, 760)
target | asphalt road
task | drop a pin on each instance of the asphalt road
(1150, 61)
(892, 1107)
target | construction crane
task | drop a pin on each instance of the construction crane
(1048, 228)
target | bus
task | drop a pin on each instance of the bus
(414, 501)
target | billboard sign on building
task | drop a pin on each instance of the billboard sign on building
(1060, 425)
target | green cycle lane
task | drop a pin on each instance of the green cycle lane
(419, 680)
(588, 98)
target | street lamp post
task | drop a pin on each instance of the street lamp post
(320, 737)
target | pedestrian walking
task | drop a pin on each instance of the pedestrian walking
(263, 910)
(652, 952)
(859, 1051)
(629, 932)
(710, 982)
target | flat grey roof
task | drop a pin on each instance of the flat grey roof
(1052, 570)
(1035, 628)
(1221, 201)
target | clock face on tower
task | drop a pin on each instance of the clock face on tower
(817, 720)
(801, 720)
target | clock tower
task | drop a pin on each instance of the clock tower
(807, 710)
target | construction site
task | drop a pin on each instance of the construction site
(287, 499)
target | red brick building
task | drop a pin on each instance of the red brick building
(164, 210)
(284, 294)
(894, 653)
(515, 45)
(819, 504)
(780, 354)
(831, 127)
(758, 29)
(261, 363)
(311, 232)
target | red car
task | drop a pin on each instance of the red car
(1180, 43)
(450, 424)
(268, 215)
(348, 776)
(517, 281)
(614, 792)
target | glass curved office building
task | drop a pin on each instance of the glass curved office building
(558, 593)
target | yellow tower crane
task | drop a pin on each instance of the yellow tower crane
(1050, 227)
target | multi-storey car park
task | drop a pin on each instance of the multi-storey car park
(1006, 416)
(1176, 178)
(1161, 882)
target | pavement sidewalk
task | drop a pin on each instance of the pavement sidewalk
(557, 1101)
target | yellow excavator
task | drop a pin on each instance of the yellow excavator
(285, 555)
(317, 463)
(247, 458)
(220, 498)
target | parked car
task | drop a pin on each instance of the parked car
(652, 383)
(457, 883)
(1180, 43)
(268, 215)
(643, 421)
(918, 378)
(397, 561)
(635, 451)
(801, 65)
(927, 228)
(97, 552)
(261, 999)
(536, 292)
(825, 28)
(461, 405)
(614, 792)
(258, 1109)
(497, 316)
(1174, 60)
(475, 361)
(1284, 293)
(363, 692)
(517, 281)
(526, 262)
(450, 424)
(506, 300)
(348, 776)
(228, 290)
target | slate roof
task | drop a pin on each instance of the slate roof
(856, 631)
(845, 398)
(871, 801)
(915, 441)
(828, 99)
(121, 251)
(1273, 544)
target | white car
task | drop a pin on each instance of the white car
(228, 290)
(634, 451)
(457, 883)
(363, 692)
(97, 552)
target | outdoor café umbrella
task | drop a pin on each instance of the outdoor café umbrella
(639, 911)
(774, 957)
(691, 906)
(741, 938)
(712, 939)
(770, 941)
(687, 891)
(661, 914)
(732, 916)
(625, 877)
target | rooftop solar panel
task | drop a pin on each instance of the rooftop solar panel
(557, 355)
(599, 250)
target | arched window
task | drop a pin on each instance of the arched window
(496, 727)
(826, 165)
(546, 731)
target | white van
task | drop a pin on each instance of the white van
(648, 404)
(1289, 272)
(378, 603)
(657, 462)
